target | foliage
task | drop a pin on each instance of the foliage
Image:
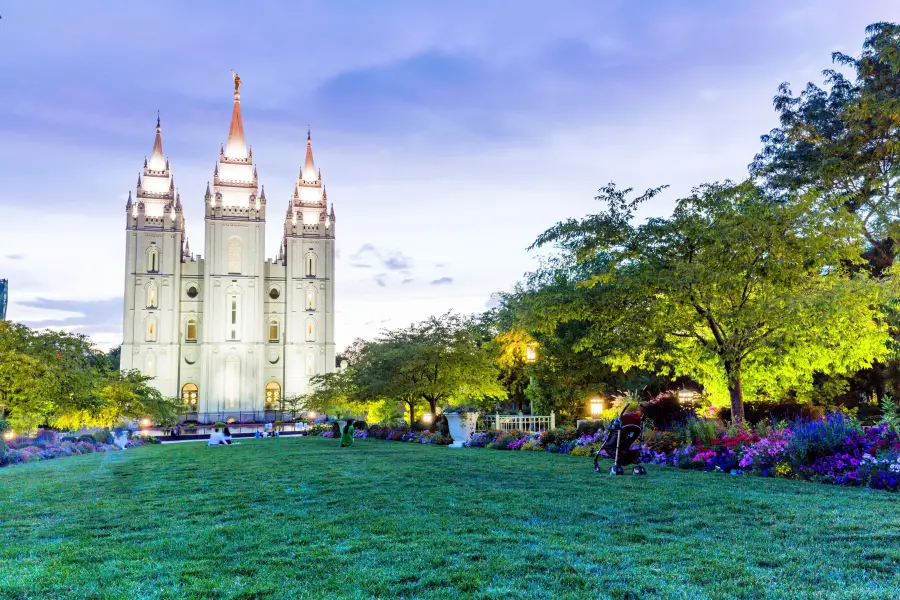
(58, 378)
(890, 414)
(735, 289)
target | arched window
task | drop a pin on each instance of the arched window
(310, 363)
(310, 330)
(273, 395)
(153, 260)
(234, 255)
(310, 265)
(151, 330)
(311, 298)
(189, 393)
(152, 291)
(190, 330)
(150, 365)
(274, 330)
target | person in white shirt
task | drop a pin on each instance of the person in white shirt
(216, 438)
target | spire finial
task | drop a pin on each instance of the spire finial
(157, 119)
(237, 84)
(308, 133)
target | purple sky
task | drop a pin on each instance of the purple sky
(448, 136)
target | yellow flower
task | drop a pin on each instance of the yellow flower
(783, 469)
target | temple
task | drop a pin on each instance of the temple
(229, 332)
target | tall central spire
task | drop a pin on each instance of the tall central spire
(157, 161)
(309, 167)
(236, 147)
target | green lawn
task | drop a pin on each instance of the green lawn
(302, 518)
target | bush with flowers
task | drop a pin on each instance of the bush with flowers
(835, 449)
(46, 447)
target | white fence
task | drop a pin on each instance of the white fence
(527, 423)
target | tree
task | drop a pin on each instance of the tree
(451, 362)
(737, 290)
(551, 309)
(844, 141)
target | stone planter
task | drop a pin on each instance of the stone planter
(462, 426)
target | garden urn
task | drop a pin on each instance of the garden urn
(462, 426)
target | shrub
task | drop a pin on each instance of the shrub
(47, 436)
(664, 410)
(219, 424)
(360, 425)
(581, 451)
(532, 447)
(661, 441)
(551, 447)
(86, 438)
(558, 436)
(591, 427)
(102, 436)
(502, 442)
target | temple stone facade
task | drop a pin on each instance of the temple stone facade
(230, 332)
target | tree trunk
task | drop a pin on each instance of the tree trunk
(412, 414)
(736, 392)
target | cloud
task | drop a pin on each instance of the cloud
(14, 256)
(397, 263)
(381, 280)
(361, 266)
(442, 281)
(493, 302)
(408, 280)
(87, 316)
(392, 260)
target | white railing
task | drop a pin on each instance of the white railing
(527, 423)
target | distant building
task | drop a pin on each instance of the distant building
(4, 297)
(231, 332)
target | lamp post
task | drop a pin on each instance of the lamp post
(531, 358)
(596, 406)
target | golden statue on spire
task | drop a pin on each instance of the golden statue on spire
(237, 82)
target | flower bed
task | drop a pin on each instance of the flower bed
(834, 450)
(392, 434)
(46, 447)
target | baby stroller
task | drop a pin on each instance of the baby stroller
(624, 431)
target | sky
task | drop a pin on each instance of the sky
(449, 134)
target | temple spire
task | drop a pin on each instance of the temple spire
(236, 146)
(157, 162)
(309, 167)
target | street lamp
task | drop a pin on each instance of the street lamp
(596, 406)
(530, 358)
(426, 418)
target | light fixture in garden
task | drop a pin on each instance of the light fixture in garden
(9, 435)
(426, 418)
(145, 422)
(531, 353)
(311, 414)
(686, 397)
(596, 406)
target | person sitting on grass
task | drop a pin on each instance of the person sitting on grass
(347, 436)
(226, 433)
(217, 438)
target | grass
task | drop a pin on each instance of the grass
(302, 518)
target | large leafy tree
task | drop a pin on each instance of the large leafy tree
(553, 311)
(735, 289)
(844, 141)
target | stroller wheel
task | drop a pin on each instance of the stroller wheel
(639, 470)
(616, 470)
